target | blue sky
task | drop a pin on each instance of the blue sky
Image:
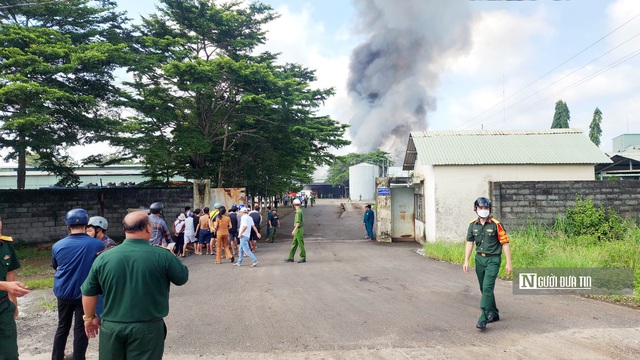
(513, 43)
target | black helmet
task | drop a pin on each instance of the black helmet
(482, 201)
(77, 217)
(156, 208)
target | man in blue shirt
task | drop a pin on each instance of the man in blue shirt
(72, 258)
(369, 218)
(160, 235)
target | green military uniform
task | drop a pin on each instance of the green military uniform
(135, 279)
(298, 237)
(489, 239)
(8, 331)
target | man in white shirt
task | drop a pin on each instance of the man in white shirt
(190, 232)
(246, 224)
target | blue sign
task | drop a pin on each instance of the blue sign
(384, 192)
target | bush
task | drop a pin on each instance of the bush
(587, 220)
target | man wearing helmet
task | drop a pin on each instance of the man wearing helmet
(160, 234)
(491, 241)
(97, 228)
(298, 234)
(72, 258)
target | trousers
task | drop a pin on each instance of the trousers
(8, 332)
(70, 311)
(138, 340)
(487, 271)
(298, 240)
(222, 242)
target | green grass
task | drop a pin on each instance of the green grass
(46, 283)
(35, 266)
(48, 304)
(545, 248)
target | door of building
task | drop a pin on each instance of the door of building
(402, 224)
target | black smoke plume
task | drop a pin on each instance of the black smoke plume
(394, 71)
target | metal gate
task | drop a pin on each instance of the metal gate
(402, 223)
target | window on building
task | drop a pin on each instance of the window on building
(418, 206)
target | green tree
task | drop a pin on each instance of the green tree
(595, 129)
(208, 108)
(338, 173)
(561, 117)
(56, 82)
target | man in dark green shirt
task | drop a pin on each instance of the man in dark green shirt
(298, 234)
(135, 279)
(10, 290)
(491, 241)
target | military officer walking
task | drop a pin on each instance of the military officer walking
(135, 279)
(491, 241)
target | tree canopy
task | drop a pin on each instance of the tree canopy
(207, 107)
(56, 79)
(561, 117)
(200, 102)
(595, 129)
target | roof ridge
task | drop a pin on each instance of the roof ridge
(494, 132)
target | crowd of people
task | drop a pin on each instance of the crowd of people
(98, 284)
(214, 232)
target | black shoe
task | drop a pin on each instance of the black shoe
(481, 325)
(301, 261)
(233, 258)
(493, 318)
(288, 260)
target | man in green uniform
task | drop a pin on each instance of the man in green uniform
(298, 234)
(491, 241)
(135, 279)
(10, 290)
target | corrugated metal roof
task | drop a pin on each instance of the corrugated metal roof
(556, 146)
(635, 156)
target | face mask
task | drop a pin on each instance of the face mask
(483, 213)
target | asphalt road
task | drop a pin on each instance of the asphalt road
(357, 299)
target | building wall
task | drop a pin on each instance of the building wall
(450, 191)
(38, 215)
(362, 182)
(383, 212)
(520, 203)
(622, 142)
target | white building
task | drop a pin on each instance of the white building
(452, 168)
(113, 175)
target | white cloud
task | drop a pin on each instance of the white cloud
(302, 39)
(518, 45)
(501, 43)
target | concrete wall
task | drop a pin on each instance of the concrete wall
(38, 215)
(519, 203)
(450, 191)
(383, 212)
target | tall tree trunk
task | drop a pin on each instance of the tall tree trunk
(224, 148)
(22, 163)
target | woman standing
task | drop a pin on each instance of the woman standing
(222, 226)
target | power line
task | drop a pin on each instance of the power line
(549, 72)
(555, 82)
(579, 82)
(30, 4)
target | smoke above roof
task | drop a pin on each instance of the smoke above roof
(395, 70)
